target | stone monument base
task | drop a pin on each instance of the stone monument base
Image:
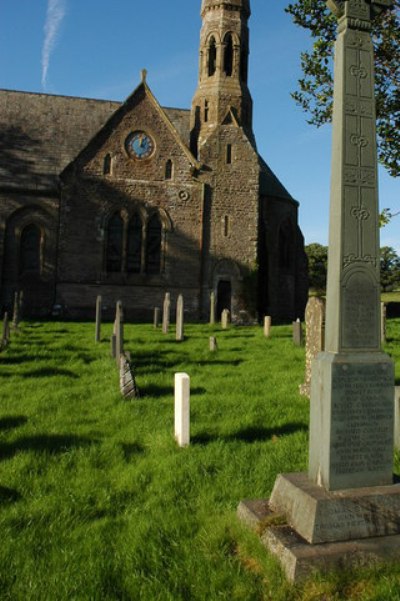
(310, 529)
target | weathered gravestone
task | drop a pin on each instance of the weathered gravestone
(182, 409)
(119, 332)
(97, 335)
(315, 335)
(383, 323)
(166, 313)
(345, 510)
(156, 317)
(225, 319)
(397, 417)
(5, 337)
(16, 310)
(267, 325)
(212, 308)
(213, 344)
(179, 335)
(127, 382)
(297, 332)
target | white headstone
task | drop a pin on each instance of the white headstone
(267, 325)
(182, 409)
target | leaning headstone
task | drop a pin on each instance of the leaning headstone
(213, 344)
(344, 511)
(127, 382)
(182, 409)
(267, 325)
(224, 319)
(166, 313)
(98, 319)
(156, 317)
(315, 335)
(297, 333)
(119, 332)
(179, 319)
(212, 308)
(397, 417)
(383, 323)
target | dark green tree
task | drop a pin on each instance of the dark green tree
(390, 269)
(314, 93)
(317, 256)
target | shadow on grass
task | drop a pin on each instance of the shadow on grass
(47, 443)
(17, 360)
(131, 449)
(46, 372)
(158, 391)
(251, 434)
(12, 421)
(8, 495)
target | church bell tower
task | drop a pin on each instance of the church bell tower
(222, 89)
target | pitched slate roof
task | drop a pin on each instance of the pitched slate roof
(40, 134)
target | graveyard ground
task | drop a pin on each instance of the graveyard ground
(98, 503)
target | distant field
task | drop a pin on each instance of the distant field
(98, 503)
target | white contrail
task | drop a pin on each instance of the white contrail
(54, 17)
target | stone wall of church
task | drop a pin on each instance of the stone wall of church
(134, 187)
(30, 269)
(233, 207)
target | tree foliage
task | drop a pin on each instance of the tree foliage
(390, 269)
(315, 88)
(317, 256)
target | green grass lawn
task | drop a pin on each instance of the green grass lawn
(98, 503)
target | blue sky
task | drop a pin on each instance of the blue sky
(96, 49)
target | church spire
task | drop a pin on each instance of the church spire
(223, 69)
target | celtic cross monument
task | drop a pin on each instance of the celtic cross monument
(346, 506)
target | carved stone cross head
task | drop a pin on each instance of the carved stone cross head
(377, 6)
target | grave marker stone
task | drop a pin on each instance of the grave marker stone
(315, 335)
(127, 381)
(182, 409)
(179, 335)
(98, 319)
(297, 333)
(16, 310)
(348, 493)
(267, 325)
(383, 323)
(212, 308)
(397, 417)
(6, 332)
(213, 344)
(224, 319)
(156, 318)
(166, 313)
(119, 332)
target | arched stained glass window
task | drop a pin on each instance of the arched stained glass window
(114, 243)
(30, 249)
(153, 247)
(134, 254)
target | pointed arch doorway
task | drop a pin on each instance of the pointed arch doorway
(224, 297)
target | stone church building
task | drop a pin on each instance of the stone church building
(131, 200)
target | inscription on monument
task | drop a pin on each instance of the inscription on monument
(362, 420)
(360, 324)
